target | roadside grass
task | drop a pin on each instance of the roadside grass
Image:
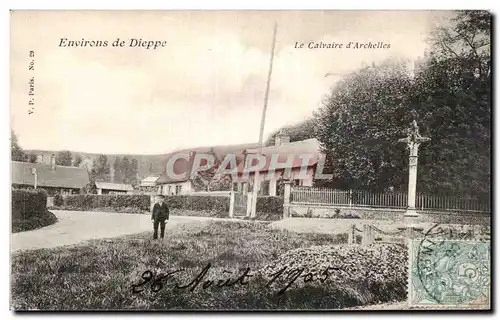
(100, 274)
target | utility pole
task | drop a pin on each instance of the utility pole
(256, 184)
(266, 97)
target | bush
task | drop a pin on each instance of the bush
(27, 203)
(58, 200)
(199, 203)
(339, 214)
(377, 272)
(105, 202)
(268, 207)
(35, 222)
(29, 210)
(270, 204)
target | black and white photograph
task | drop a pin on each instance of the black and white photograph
(244, 160)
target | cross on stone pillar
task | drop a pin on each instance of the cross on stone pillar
(413, 140)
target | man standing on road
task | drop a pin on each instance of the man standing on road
(159, 216)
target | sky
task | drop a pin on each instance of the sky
(205, 87)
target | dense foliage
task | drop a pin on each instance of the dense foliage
(101, 170)
(449, 89)
(270, 204)
(16, 152)
(380, 269)
(35, 222)
(64, 158)
(199, 203)
(29, 210)
(125, 170)
(120, 202)
(28, 202)
(297, 132)
(78, 160)
(268, 208)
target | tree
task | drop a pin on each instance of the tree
(359, 124)
(453, 91)
(450, 89)
(31, 157)
(134, 167)
(297, 132)
(208, 181)
(125, 169)
(117, 167)
(64, 158)
(78, 160)
(17, 153)
(90, 187)
(100, 169)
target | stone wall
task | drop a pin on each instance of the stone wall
(384, 214)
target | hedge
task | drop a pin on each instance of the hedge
(35, 222)
(268, 207)
(115, 202)
(29, 210)
(199, 203)
(377, 272)
(270, 204)
(58, 200)
(27, 203)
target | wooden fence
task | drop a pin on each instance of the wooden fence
(393, 200)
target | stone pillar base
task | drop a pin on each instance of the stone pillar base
(411, 212)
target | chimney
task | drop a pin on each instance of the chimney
(281, 138)
(53, 162)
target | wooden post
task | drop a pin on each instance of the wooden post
(255, 194)
(231, 204)
(351, 239)
(151, 202)
(367, 235)
(249, 196)
(350, 198)
(272, 187)
(286, 198)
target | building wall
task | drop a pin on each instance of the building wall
(269, 180)
(107, 191)
(178, 188)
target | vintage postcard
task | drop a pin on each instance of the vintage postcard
(250, 160)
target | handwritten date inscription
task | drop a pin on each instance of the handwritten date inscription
(286, 276)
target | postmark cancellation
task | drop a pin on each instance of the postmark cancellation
(451, 274)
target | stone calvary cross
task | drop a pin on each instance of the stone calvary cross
(413, 140)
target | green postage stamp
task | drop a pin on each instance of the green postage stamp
(453, 274)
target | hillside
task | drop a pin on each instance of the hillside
(148, 164)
